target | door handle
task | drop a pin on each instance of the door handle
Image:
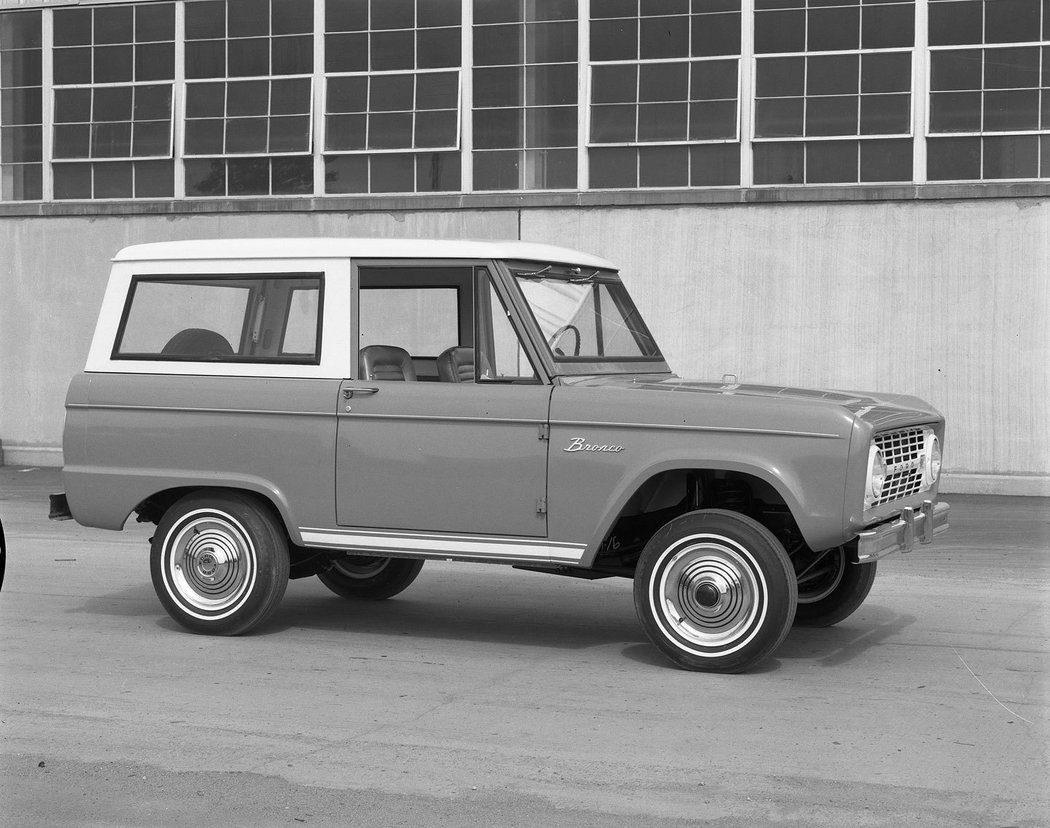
(362, 391)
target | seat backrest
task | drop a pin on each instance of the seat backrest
(386, 362)
(197, 342)
(456, 364)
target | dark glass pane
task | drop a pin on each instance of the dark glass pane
(955, 112)
(885, 72)
(111, 140)
(663, 122)
(247, 18)
(716, 34)
(248, 98)
(293, 55)
(292, 176)
(551, 10)
(346, 132)
(663, 167)
(71, 106)
(151, 138)
(778, 117)
(205, 137)
(1008, 111)
(21, 31)
(346, 53)
(248, 57)
(393, 50)
(613, 84)
(613, 168)
(498, 87)
(834, 28)
(614, 8)
(72, 65)
(1046, 62)
(831, 162)
(72, 27)
(390, 131)
(291, 16)
(497, 128)
(550, 42)
(206, 59)
(21, 182)
(713, 79)
(290, 97)
(346, 15)
(1044, 156)
(345, 173)
(1016, 68)
(205, 100)
(72, 181)
(23, 67)
(248, 176)
(888, 26)
(497, 11)
(21, 106)
(832, 74)
(956, 69)
(438, 48)
(113, 180)
(152, 103)
(712, 119)
(347, 94)
(885, 114)
(393, 173)
(436, 129)
(885, 161)
(437, 90)
(205, 177)
(497, 170)
(1045, 109)
(392, 93)
(71, 141)
(437, 172)
(114, 24)
(832, 116)
(23, 143)
(246, 135)
(113, 104)
(714, 165)
(154, 21)
(613, 124)
(550, 169)
(155, 61)
(955, 23)
(497, 45)
(780, 77)
(550, 84)
(290, 133)
(1011, 21)
(780, 31)
(614, 40)
(154, 179)
(1011, 156)
(664, 37)
(663, 82)
(114, 64)
(654, 8)
(206, 20)
(553, 126)
(953, 159)
(393, 14)
(438, 13)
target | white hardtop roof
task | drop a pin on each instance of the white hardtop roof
(342, 248)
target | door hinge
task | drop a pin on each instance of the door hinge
(545, 432)
(541, 505)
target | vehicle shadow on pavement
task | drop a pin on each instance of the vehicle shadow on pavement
(872, 627)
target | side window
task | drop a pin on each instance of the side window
(422, 320)
(220, 318)
(501, 356)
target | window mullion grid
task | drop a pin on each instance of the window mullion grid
(47, 104)
(746, 91)
(466, 103)
(318, 90)
(920, 92)
(178, 103)
(583, 60)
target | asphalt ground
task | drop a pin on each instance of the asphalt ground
(484, 696)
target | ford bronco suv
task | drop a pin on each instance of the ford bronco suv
(349, 408)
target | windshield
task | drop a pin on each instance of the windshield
(586, 316)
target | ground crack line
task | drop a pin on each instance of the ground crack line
(989, 692)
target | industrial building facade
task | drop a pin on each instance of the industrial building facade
(740, 156)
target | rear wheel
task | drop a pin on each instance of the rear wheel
(370, 579)
(830, 589)
(715, 591)
(219, 562)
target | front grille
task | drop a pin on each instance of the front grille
(903, 453)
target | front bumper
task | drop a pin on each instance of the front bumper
(922, 525)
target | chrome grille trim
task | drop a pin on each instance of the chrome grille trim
(902, 452)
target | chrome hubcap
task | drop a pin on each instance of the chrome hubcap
(212, 562)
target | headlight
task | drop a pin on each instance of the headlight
(931, 469)
(876, 476)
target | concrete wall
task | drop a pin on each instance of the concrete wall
(947, 300)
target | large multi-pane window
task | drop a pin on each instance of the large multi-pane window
(989, 90)
(664, 93)
(21, 109)
(160, 99)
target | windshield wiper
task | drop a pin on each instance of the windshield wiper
(573, 276)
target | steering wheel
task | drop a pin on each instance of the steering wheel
(558, 334)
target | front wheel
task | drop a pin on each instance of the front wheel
(715, 591)
(370, 579)
(831, 589)
(219, 562)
